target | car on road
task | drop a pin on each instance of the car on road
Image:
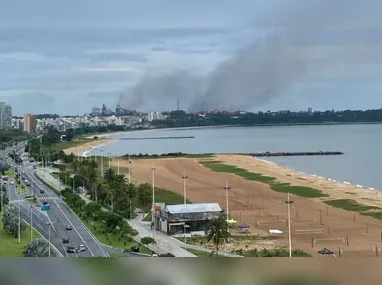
(68, 227)
(12, 183)
(71, 249)
(42, 191)
(81, 248)
(134, 249)
(65, 240)
(45, 202)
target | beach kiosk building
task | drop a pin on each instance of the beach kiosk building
(187, 217)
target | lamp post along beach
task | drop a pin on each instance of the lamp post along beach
(289, 202)
(184, 177)
(153, 206)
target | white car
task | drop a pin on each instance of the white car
(12, 183)
(81, 248)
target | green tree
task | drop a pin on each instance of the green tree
(38, 248)
(217, 232)
(147, 240)
(144, 194)
(11, 221)
(91, 208)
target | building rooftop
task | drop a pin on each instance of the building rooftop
(193, 208)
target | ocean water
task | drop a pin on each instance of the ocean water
(361, 163)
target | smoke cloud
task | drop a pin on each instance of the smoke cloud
(256, 75)
(253, 77)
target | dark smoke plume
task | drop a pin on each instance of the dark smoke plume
(253, 77)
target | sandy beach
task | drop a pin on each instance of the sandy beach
(256, 204)
(83, 148)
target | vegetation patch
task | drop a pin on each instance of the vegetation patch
(217, 166)
(34, 201)
(301, 191)
(277, 252)
(351, 193)
(350, 205)
(200, 253)
(354, 206)
(9, 246)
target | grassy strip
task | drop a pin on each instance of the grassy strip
(34, 201)
(10, 173)
(354, 206)
(51, 186)
(302, 191)
(277, 252)
(8, 243)
(167, 155)
(98, 230)
(200, 253)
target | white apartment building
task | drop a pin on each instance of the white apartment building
(5, 116)
(152, 116)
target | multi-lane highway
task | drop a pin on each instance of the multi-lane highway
(63, 223)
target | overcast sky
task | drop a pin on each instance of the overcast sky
(67, 56)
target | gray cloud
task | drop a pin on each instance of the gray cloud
(75, 50)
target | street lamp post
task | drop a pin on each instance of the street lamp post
(19, 225)
(130, 170)
(102, 163)
(289, 202)
(109, 159)
(153, 207)
(184, 187)
(31, 223)
(226, 187)
(49, 237)
(2, 193)
(118, 167)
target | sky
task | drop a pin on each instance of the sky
(69, 56)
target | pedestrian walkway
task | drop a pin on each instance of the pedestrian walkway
(46, 176)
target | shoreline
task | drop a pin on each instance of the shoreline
(335, 189)
(320, 177)
(87, 147)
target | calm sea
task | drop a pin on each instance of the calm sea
(361, 164)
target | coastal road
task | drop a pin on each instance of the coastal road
(63, 217)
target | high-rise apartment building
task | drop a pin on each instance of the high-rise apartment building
(5, 116)
(30, 123)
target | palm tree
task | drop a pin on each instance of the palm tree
(217, 232)
(109, 175)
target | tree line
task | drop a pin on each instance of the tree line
(183, 119)
(110, 190)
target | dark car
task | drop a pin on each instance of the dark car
(134, 249)
(65, 240)
(42, 191)
(68, 227)
(45, 202)
(71, 249)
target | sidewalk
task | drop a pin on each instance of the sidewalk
(47, 177)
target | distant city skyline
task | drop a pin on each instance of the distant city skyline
(50, 64)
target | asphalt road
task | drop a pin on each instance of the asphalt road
(61, 216)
